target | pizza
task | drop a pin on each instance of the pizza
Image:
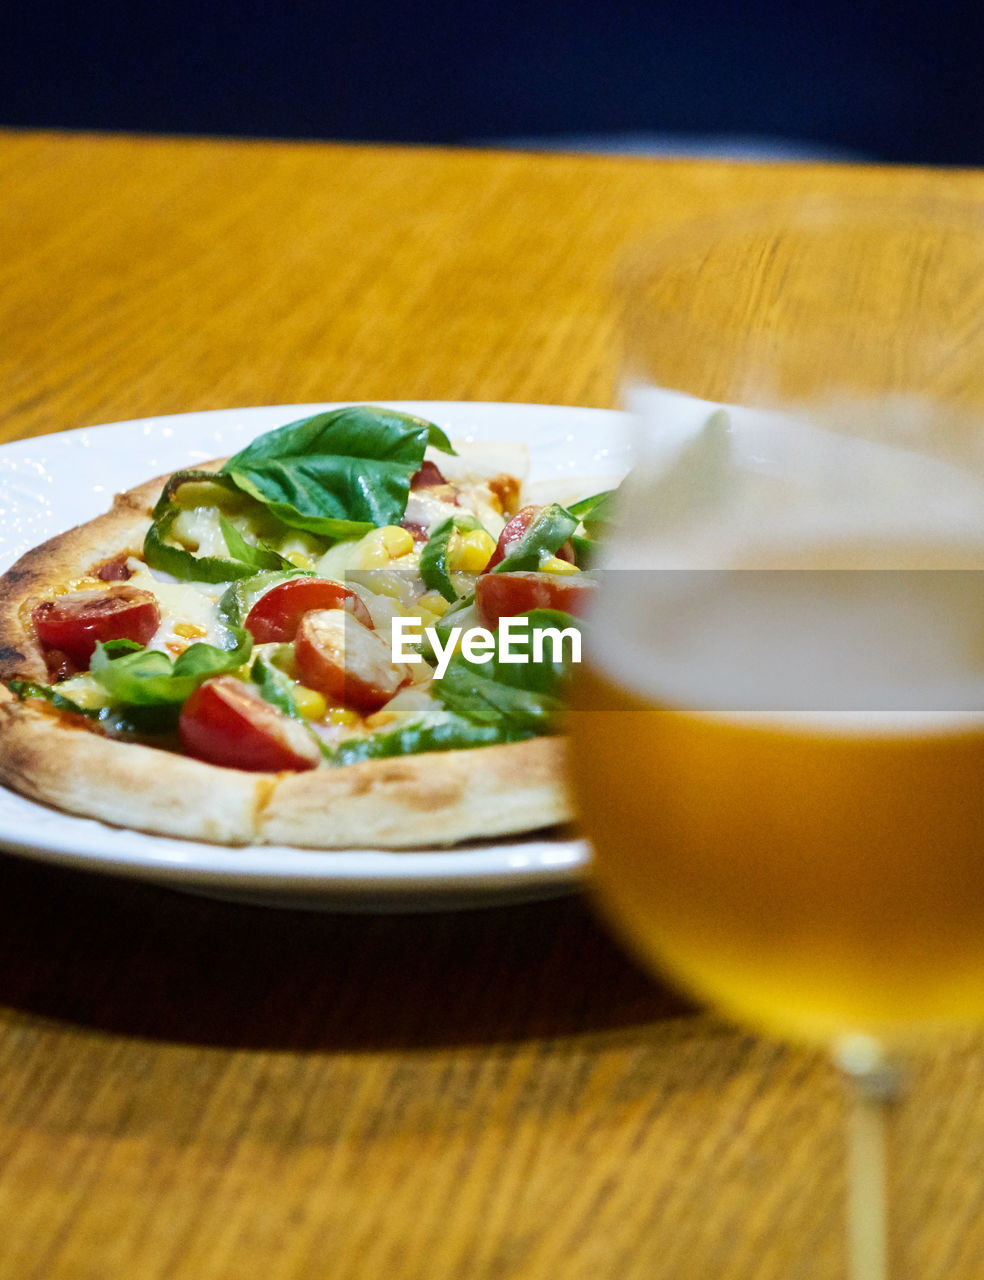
(352, 634)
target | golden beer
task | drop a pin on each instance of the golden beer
(811, 876)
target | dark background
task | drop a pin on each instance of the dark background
(886, 81)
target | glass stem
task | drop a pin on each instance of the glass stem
(875, 1087)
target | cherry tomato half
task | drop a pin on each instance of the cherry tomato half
(114, 570)
(514, 530)
(428, 476)
(74, 623)
(346, 661)
(419, 532)
(226, 722)
(277, 613)
(506, 595)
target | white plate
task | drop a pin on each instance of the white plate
(50, 483)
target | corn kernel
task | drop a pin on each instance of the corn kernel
(554, 564)
(397, 541)
(309, 703)
(394, 585)
(433, 604)
(190, 630)
(341, 715)
(374, 557)
(381, 546)
(470, 552)
(372, 552)
(380, 718)
(299, 560)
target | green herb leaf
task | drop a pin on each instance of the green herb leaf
(178, 561)
(240, 596)
(516, 697)
(596, 515)
(340, 473)
(117, 721)
(462, 615)
(485, 701)
(257, 557)
(594, 507)
(451, 733)
(30, 689)
(275, 686)
(546, 535)
(148, 677)
(116, 648)
(585, 551)
(434, 557)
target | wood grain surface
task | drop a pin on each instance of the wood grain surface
(193, 1090)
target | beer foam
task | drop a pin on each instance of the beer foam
(774, 569)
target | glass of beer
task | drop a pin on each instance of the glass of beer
(778, 732)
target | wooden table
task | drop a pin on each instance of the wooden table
(191, 1090)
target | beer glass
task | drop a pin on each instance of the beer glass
(778, 734)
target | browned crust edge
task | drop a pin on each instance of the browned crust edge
(431, 799)
(438, 798)
(60, 561)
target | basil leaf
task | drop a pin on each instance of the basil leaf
(585, 550)
(148, 677)
(257, 557)
(30, 689)
(461, 615)
(548, 532)
(486, 701)
(596, 515)
(448, 734)
(275, 686)
(597, 510)
(340, 473)
(238, 598)
(177, 561)
(141, 678)
(434, 557)
(117, 721)
(116, 648)
(200, 660)
(521, 697)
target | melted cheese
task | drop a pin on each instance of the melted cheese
(197, 529)
(184, 604)
(85, 691)
(428, 510)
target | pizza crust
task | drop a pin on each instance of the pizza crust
(47, 757)
(436, 798)
(441, 797)
(59, 563)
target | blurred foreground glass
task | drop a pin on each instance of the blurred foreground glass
(778, 736)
